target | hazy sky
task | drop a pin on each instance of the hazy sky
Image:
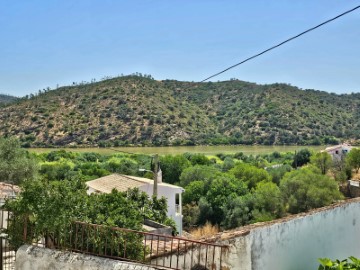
(49, 42)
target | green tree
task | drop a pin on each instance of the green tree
(16, 164)
(40, 198)
(228, 164)
(268, 202)
(307, 188)
(57, 170)
(199, 159)
(238, 211)
(198, 173)
(321, 160)
(224, 187)
(353, 159)
(193, 192)
(277, 173)
(122, 165)
(250, 174)
(172, 167)
(301, 158)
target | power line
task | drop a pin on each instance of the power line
(280, 44)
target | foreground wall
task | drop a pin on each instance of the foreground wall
(36, 258)
(298, 243)
(294, 243)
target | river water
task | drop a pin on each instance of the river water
(172, 150)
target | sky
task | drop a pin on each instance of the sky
(45, 43)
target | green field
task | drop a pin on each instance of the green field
(208, 150)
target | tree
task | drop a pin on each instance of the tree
(57, 170)
(250, 174)
(301, 158)
(40, 198)
(228, 164)
(16, 164)
(277, 173)
(198, 173)
(321, 160)
(268, 202)
(353, 159)
(199, 159)
(224, 187)
(237, 212)
(122, 165)
(172, 167)
(193, 192)
(307, 188)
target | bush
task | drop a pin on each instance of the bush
(307, 188)
(327, 264)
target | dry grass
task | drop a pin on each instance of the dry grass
(205, 231)
(356, 176)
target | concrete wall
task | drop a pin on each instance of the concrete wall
(36, 258)
(294, 243)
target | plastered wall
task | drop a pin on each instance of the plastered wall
(293, 243)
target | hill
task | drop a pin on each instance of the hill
(5, 99)
(135, 110)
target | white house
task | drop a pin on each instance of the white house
(124, 182)
(338, 152)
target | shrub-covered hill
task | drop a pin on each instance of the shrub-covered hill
(5, 99)
(137, 110)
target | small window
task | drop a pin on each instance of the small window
(177, 203)
(337, 152)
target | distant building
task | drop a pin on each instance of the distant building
(124, 182)
(339, 151)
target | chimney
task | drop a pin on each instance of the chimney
(159, 175)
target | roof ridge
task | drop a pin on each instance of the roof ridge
(131, 177)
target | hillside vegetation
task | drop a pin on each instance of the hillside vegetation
(5, 99)
(135, 110)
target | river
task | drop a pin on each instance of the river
(172, 150)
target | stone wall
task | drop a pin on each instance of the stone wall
(37, 258)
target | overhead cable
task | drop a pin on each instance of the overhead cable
(282, 43)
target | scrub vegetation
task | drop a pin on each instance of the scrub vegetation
(227, 191)
(138, 110)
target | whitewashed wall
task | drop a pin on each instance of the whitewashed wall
(294, 243)
(298, 243)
